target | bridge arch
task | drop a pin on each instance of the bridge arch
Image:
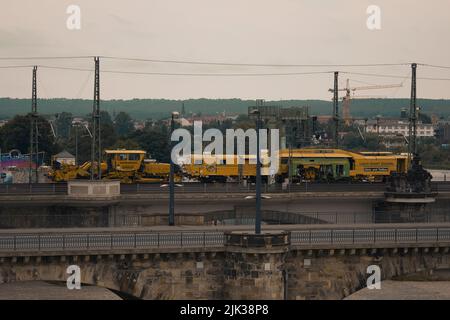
(155, 276)
(105, 275)
(336, 274)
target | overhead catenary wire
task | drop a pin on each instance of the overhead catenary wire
(252, 64)
(198, 62)
(433, 66)
(187, 74)
(246, 74)
(216, 63)
(172, 73)
(392, 76)
(212, 74)
(47, 58)
(16, 67)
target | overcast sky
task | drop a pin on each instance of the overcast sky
(239, 31)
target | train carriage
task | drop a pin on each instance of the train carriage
(336, 164)
(220, 168)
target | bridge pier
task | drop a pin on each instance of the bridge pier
(319, 262)
(254, 265)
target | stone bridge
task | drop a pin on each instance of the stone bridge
(299, 262)
(46, 211)
(52, 206)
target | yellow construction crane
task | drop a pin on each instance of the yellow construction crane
(348, 90)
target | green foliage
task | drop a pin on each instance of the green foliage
(105, 118)
(354, 141)
(80, 139)
(161, 108)
(432, 154)
(123, 124)
(154, 138)
(424, 118)
(63, 124)
(16, 135)
(129, 144)
(155, 141)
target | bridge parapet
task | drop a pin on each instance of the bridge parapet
(43, 242)
(98, 189)
(299, 262)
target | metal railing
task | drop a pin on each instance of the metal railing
(98, 241)
(34, 188)
(195, 187)
(370, 236)
(108, 241)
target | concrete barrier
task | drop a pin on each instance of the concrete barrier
(93, 189)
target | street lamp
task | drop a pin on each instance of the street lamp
(257, 112)
(254, 197)
(166, 185)
(171, 174)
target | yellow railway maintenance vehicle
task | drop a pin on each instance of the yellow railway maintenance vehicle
(128, 166)
(377, 165)
(336, 164)
(216, 168)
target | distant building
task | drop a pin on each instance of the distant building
(391, 142)
(360, 122)
(398, 127)
(3, 122)
(205, 119)
(64, 157)
(232, 117)
(139, 125)
(324, 119)
(78, 121)
(434, 119)
(184, 122)
(443, 132)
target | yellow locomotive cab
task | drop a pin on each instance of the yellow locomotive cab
(126, 165)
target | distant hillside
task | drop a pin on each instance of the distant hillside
(161, 108)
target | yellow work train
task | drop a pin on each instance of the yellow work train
(128, 166)
(301, 164)
(220, 168)
(311, 164)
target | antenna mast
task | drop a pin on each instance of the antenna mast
(34, 134)
(96, 146)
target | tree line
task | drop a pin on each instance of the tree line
(157, 108)
(118, 132)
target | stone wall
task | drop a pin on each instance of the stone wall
(232, 273)
(322, 275)
(253, 276)
(154, 276)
